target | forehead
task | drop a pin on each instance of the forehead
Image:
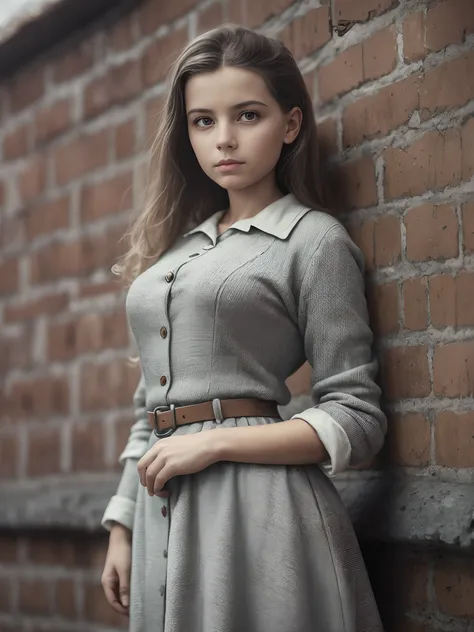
(224, 88)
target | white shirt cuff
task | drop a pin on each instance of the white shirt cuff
(121, 510)
(332, 435)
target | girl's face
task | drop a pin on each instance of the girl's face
(236, 127)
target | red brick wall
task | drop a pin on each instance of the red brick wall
(394, 95)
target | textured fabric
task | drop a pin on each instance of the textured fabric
(239, 546)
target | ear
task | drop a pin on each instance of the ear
(294, 119)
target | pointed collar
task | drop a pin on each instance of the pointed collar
(277, 219)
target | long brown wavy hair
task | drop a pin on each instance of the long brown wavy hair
(179, 193)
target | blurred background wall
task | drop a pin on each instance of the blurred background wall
(80, 92)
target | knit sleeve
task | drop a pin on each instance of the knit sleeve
(121, 507)
(333, 320)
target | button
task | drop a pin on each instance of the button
(165, 553)
(169, 277)
(195, 254)
(163, 380)
(164, 511)
(162, 590)
(163, 332)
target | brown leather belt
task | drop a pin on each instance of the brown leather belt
(165, 419)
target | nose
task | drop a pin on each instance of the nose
(226, 137)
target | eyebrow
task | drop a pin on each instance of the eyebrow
(237, 106)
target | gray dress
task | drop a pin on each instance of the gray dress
(239, 547)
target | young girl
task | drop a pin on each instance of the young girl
(236, 527)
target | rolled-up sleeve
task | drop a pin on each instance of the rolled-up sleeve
(333, 320)
(121, 507)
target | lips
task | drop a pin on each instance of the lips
(229, 162)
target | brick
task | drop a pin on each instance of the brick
(46, 218)
(26, 88)
(122, 432)
(15, 143)
(341, 75)
(236, 11)
(49, 304)
(125, 139)
(56, 261)
(384, 308)
(88, 333)
(308, 33)
(467, 156)
(431, 162)
(379, 114)
(105, 386)
(454, 586)
(88, 449)
(414, 47)
(89, 290)
(363, 235)
(361, 10)
(405, 372)
(451, 300)
(259, 12)
(409, 440)
(121, 36)
(468, 227)
(387, 241)
(71, 259)
(80, 156)
(9, 548)
(75, 62)
(309, 79)
(35, 596)
(9, 455)
(119, 85)
(6, 594)
(448, 23)
(447, 86)
(15, 352)
(65, 598)
(33, 179)
(97, 609)
(380, 54)
(354, 183)
(9, 276)
(152, 15)
(12, 233)
(327, 138)
(3, 194)
(453, 370)
(42, 549)
(107, 198)
(210, 18)
(432, 233)
(40, 397)
(455, 439)
(44, 451)
(415, 303)
(53, 120)
(159, 56)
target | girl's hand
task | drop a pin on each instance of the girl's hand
(176, 456)
(116, 574)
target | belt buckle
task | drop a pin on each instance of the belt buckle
(169, 431)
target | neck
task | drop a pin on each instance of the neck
(248, 202)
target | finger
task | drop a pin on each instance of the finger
(163, 476)
(124, 590)
(143, 464)
(110, 590)
(151, 474)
